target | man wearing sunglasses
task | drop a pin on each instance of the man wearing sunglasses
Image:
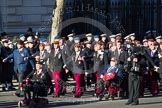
(109, 79)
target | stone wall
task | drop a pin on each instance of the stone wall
(17, 15)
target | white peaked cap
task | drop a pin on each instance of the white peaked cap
(103, 35)
(119, 34)
(89, 34)
(70, 35)
(132, 34)
(112, 36)
(158, 37)
(127, 37)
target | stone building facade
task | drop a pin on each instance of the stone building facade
(124, 16)
(17, 15)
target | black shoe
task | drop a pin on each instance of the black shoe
(154, 95)
(112, 96)
(119, 98)
(11, 88)
(135, 103)
(55, 96)
(128, 103)
(50, 91)
(73, 92)
(3, 89)
(107, 96)
(100, 97)
(76, 96)
(63, 93)
(81, 93)
(94, 94)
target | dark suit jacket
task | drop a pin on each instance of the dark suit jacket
(121, 58)
(76, 66)
(88, 59)
(7, 67)
(100, 62)
(154, 58)
(44, 57)
(65, 54)
(70, 47)
(160, 68)
(56, 63)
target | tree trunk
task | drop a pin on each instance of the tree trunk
(57, 18)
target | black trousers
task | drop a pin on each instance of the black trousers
(21, 77)
(39, 90)
(27, 91)
(123, 88)
(134, 85)
(102, 84)
(6, 73)
(160, 74)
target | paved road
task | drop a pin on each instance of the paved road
(8, 100)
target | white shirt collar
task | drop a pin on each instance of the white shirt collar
(78, 52)
(39, 71)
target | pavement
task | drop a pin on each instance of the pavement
(8, 100)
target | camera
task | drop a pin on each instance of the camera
(134, 50)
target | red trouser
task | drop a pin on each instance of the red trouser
(56, 77)
(145, 81)
(113, 90)
(152, 82)
(79, 79)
